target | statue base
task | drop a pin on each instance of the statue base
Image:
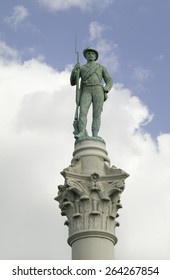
(87, 137)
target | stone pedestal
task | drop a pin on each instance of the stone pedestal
(90, 199)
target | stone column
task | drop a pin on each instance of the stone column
(90, 199)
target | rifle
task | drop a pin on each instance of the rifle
(76, 116)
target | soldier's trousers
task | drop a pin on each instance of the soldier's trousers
(94, 95)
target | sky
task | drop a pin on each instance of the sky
(37, 105)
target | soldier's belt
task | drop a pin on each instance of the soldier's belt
(94, 84)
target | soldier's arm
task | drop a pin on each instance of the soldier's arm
(108, 80)
(73, 74)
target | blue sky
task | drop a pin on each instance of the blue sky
(37, 103)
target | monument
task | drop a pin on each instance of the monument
(90, 195)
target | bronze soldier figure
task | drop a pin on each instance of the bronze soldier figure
(95, 84)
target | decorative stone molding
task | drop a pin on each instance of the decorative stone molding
(92, 233)
(90, 196)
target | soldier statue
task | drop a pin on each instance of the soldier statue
(95, 85)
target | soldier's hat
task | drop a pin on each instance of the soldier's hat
(91, 49)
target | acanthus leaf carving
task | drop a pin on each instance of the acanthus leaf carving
(77, 189)
(90, 201)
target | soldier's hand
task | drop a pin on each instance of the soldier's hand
(76, 67)
(105, 96)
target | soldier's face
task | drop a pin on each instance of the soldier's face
(90, 56)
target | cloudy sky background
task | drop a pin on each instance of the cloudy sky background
(37, 104)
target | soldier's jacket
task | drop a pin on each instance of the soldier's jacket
(91, 75)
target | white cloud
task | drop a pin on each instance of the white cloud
(36, 113)
(7, 52)
(29, 82)
(95, 30)
(18, 15)
(57, 5)
(142, 74)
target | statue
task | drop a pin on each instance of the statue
(95, 85)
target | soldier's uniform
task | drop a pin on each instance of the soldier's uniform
(95, 83)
